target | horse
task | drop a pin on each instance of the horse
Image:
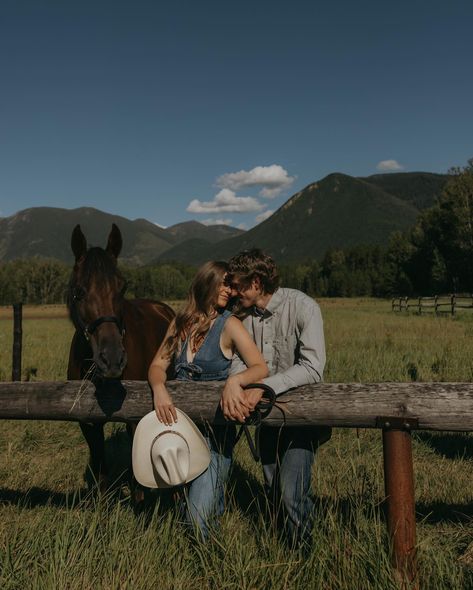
(115, 337)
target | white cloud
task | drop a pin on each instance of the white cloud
(262, 216)
(389, 166)
(242, 226)
(273, 178)
(225, 202)
(159, 225)
(216, 221)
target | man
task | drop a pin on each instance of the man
(287, 327)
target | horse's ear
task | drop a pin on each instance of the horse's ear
(114, 244)
(78, 243)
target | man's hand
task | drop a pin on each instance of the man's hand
(234, 401)
(253, 396)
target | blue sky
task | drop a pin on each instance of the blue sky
(221, 111)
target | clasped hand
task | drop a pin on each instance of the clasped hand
(236, 403)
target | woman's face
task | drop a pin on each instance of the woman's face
(224, 292)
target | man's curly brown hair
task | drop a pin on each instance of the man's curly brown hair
(253, 263)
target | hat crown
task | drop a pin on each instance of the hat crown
(165, 456)
(170, 456)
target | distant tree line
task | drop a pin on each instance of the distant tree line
(37, 280)
(435, 256)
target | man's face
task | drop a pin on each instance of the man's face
(247, 293)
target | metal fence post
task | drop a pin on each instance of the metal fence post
(399, 487)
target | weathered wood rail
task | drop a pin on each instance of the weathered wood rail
(396, 408)
(435, 406)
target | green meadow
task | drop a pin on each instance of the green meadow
(55, 534)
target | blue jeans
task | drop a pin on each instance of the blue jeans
(205, 495)
(287, 457)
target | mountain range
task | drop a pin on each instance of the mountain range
(338, 211)
(46, 232)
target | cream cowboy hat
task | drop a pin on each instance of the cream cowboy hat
(165, 456)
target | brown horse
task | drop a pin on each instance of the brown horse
(115, 337)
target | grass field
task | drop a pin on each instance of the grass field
(54, 535)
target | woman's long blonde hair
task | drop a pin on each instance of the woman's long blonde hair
(199, 311)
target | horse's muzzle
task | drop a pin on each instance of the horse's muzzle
(110, 364)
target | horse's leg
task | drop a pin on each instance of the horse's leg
(137, 491)
(94, 435)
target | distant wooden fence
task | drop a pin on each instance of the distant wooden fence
(435, 304)
(395, 408)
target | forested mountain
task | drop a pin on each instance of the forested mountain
(421, 189)
(339, 211)
(192, 230)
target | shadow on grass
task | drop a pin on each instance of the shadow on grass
(451, 445)
(246, 492)
(36, 496)
(118, 456)
(437, 512)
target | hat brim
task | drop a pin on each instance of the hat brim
(148, 428)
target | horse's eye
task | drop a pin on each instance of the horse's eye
(78, 293)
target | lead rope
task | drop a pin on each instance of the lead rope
(262, 410)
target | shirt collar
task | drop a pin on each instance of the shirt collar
(273, 304)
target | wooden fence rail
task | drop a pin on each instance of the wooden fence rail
(435, 303)
(435, 406)
(396, 408)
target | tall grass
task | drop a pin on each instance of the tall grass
(54, 534)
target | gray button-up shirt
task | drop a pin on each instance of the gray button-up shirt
(290, 335)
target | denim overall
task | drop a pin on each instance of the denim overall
(209, 363)
(205, 494)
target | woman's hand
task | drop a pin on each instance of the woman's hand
(163, 406)
(233, 401)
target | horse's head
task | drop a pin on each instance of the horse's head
(95, 300)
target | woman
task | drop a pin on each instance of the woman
(201, 342)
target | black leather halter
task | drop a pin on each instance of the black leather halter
(88, 329)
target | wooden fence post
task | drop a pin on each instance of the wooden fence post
(453, 303)
(17, 341)
(420, 305)
(436, 304)
(399, 487)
